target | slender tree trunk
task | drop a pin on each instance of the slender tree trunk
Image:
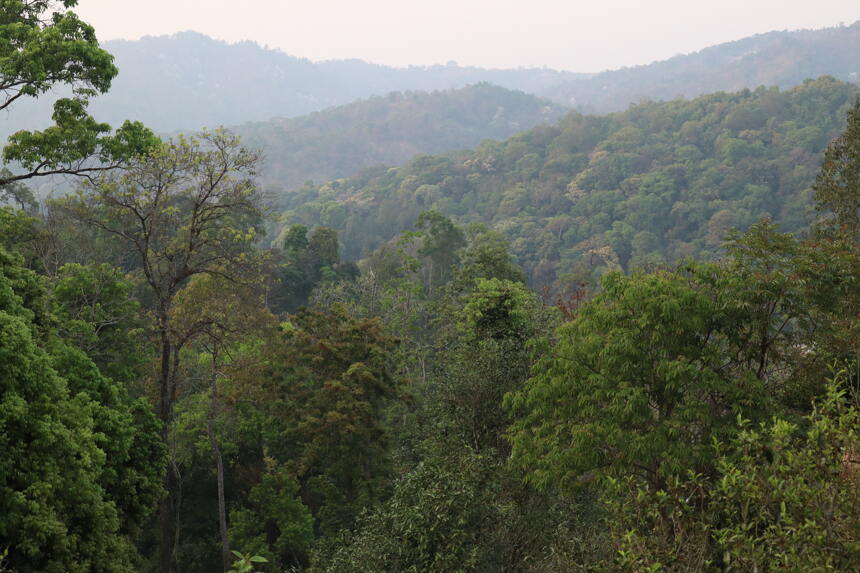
(430, 282)
(164, 375)
(219, 465)
(164, 407)
(222, 510)
(176, 504)
(165, 523)
(165, 410)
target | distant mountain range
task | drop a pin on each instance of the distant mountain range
(782, 59)
(390, 130)
(187, 81)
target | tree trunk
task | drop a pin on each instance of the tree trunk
(165, 405)
(165, 409)
(219, 466)
(165, 523)
(222, 510)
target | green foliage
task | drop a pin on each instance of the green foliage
(276, 524)
(837, 187)
(17, 228)
(81, 465)
(499, 309)
(658, 365)
(76, 137)
(487, 255)
(330, 382)
(457, 506)
(296, 239)
(636, 384)
(245, 563)
(458, 510)
(126, 431)
(481, 340)
(440, 241)
(44, 45)
(659, 529)
(787, 494)
(98, 313)
(309, 261)
(782, 498)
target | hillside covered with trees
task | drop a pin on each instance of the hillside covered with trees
(649, 186)
(389, 130)
(783, 59)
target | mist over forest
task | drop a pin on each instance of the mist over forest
(265, 314)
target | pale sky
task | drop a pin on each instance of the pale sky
(576, 35)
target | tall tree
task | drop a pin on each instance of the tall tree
(441, 241)
(309, 260)
(217, 315)
(331, 382)
(188, 207)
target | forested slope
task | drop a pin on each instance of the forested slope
(656, 183)
(784, 59)
(390, 130)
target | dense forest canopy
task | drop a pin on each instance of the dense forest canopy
(652, 185)
(178, 393)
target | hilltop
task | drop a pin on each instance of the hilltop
(783, 59)
(390, 130)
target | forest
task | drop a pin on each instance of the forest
(649, 186)
(621, 342)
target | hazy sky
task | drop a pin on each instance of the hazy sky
(575, 35)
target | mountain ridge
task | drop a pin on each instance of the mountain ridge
(188, 81)
(389, 130)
